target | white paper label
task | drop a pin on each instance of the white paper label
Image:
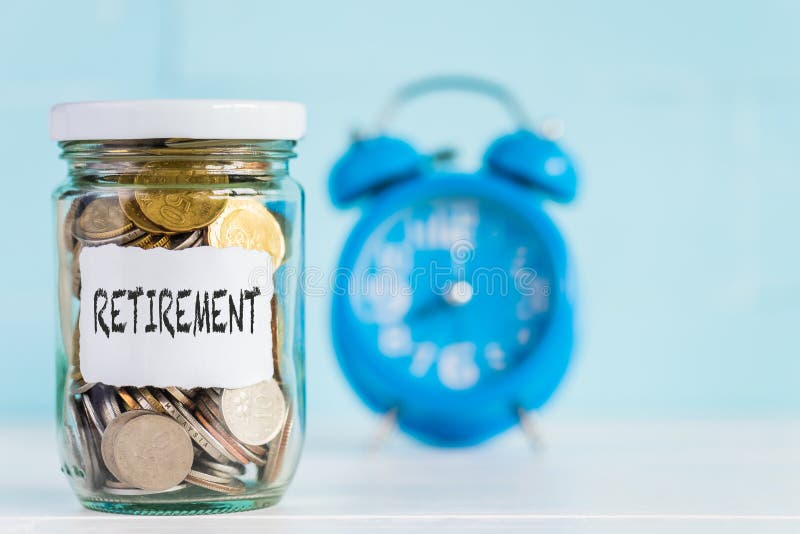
(198, 317)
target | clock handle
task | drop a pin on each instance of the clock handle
(469, 84)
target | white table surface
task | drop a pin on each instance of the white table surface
(735, 476)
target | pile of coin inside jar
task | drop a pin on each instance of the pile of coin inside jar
(148, 440)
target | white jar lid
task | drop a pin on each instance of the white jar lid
(193, 119)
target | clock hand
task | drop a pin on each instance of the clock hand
(426, 309)
(458, 294)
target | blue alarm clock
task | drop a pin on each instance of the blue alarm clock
(452, 306)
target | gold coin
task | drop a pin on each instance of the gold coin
(276, 328)
(128, 400)
(151, 241)
(69, 224)
(152, 400)
(175, 209)
(75, 269)
(102, 219)
(181, 397)
(248, 224)
(129, 206)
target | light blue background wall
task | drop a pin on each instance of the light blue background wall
(684, 117)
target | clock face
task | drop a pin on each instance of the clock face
(451, 291)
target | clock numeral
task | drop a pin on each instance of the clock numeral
(457, 367)
(395, 341)
(535, 301)
(423, 359)
(495, 356)
(445, 225)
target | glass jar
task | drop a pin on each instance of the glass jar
(180, 354)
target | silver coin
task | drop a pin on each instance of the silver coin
(88, 407)
(200, 435)
(89, 460)
(214, 395)
(95, 438)
(131, 492)
(113, 483)
(142, 400)
(232, 470)
(81, 387)
(254, 414)
(109, 440)
(153, 452)
(182, 241)
(73, 454)
(104, 398)
(127, 237)
(111, 402)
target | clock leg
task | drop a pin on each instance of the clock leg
(387, 426)
(529, 427)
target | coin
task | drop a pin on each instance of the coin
(276, 328)
(65, 304)
(113, 483)
(104, 398)
(131, 208)
(102, 218)
(232, 488)
(94, 417)
(67, 235)
(128, 400)
(121, 239)
(151, 241)
(89, 461)
(81, 386)
(210, 477)
(151, 400)
(153, 452)
(254, 414)
(133, 492)
(175, 209)
(142, 400)
(200, 435)
(213, 415)
(260, 450)
(73, 461)
(277, 452)
(256, 458)
(179, 396)
(221, 436)
(248, 224)
(233, 470)
(108, 441)
(182, 241)
(76, 269)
